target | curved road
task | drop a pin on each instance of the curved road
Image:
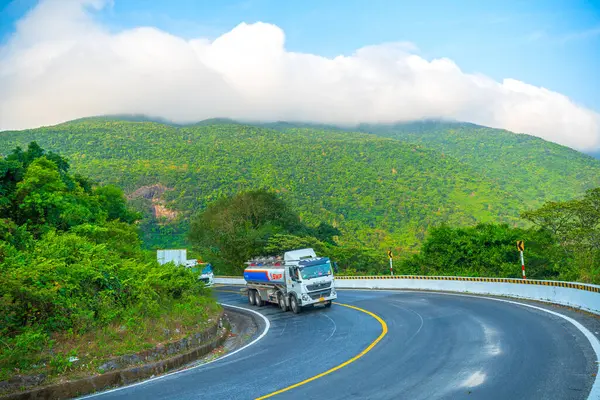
(437, 347)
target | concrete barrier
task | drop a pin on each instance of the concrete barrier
(229, 280)
(577, 295)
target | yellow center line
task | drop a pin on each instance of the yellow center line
(384, 331)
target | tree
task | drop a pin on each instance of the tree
(40, 195)
(484, 250)
(575, 224)
(280, 243)
(587, 227)
(112, 199)
(36, 189)
(236, 228)
(326, 232)
(11, 172)
(557, 217)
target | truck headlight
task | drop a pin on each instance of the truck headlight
(304, 297)
(333, 293)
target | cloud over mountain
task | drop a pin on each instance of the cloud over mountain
(61, 64)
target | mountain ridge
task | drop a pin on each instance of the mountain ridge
(415, 125)
(382, 187)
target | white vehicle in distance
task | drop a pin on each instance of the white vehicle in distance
(179, 257)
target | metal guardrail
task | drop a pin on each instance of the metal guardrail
(571, 285)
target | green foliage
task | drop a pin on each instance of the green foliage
(486, 250)
(355, 260)
(356, 192)
(233, 229)
(110, 198)
(18, 351)
(373, 190)
(71, 261)
(281, 242)
(326, 233)
(382, 187)
(38, 192)
(575, 225)
(533, 170)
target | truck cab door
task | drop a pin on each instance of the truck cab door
(292, 281)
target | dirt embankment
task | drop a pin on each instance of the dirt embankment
(158, 205)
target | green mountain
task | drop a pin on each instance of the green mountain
(384, 186)
(532, 168)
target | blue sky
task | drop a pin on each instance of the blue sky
(549, 43)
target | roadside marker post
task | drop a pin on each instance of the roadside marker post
(390, 255)
(521, 248)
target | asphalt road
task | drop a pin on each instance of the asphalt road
(437, 347)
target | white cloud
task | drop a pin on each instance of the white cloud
(60, 64)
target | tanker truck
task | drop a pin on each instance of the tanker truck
(299, 280)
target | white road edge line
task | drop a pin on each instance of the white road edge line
(264, 332)
(594, 342)
(334, 326)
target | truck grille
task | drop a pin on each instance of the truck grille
(205, 280)
(322, 293)
(318, 286)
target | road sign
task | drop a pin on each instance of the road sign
(390, 254)
(521, 248)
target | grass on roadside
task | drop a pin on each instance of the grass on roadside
(68, 355)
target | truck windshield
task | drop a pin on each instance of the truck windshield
(315, 271)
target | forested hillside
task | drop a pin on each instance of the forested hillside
(532, 168)
(364, 184)
(379, 191)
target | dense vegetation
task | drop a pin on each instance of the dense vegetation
(564, 244)
(379, 192)
(575, 227)
(73, 275)
(233, 229)
(380, 186)
(487, 250)
(533, 169)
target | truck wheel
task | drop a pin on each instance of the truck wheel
(251, 297)
(282, 304)
(328, 304)
(257, 300)
(294, 305)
